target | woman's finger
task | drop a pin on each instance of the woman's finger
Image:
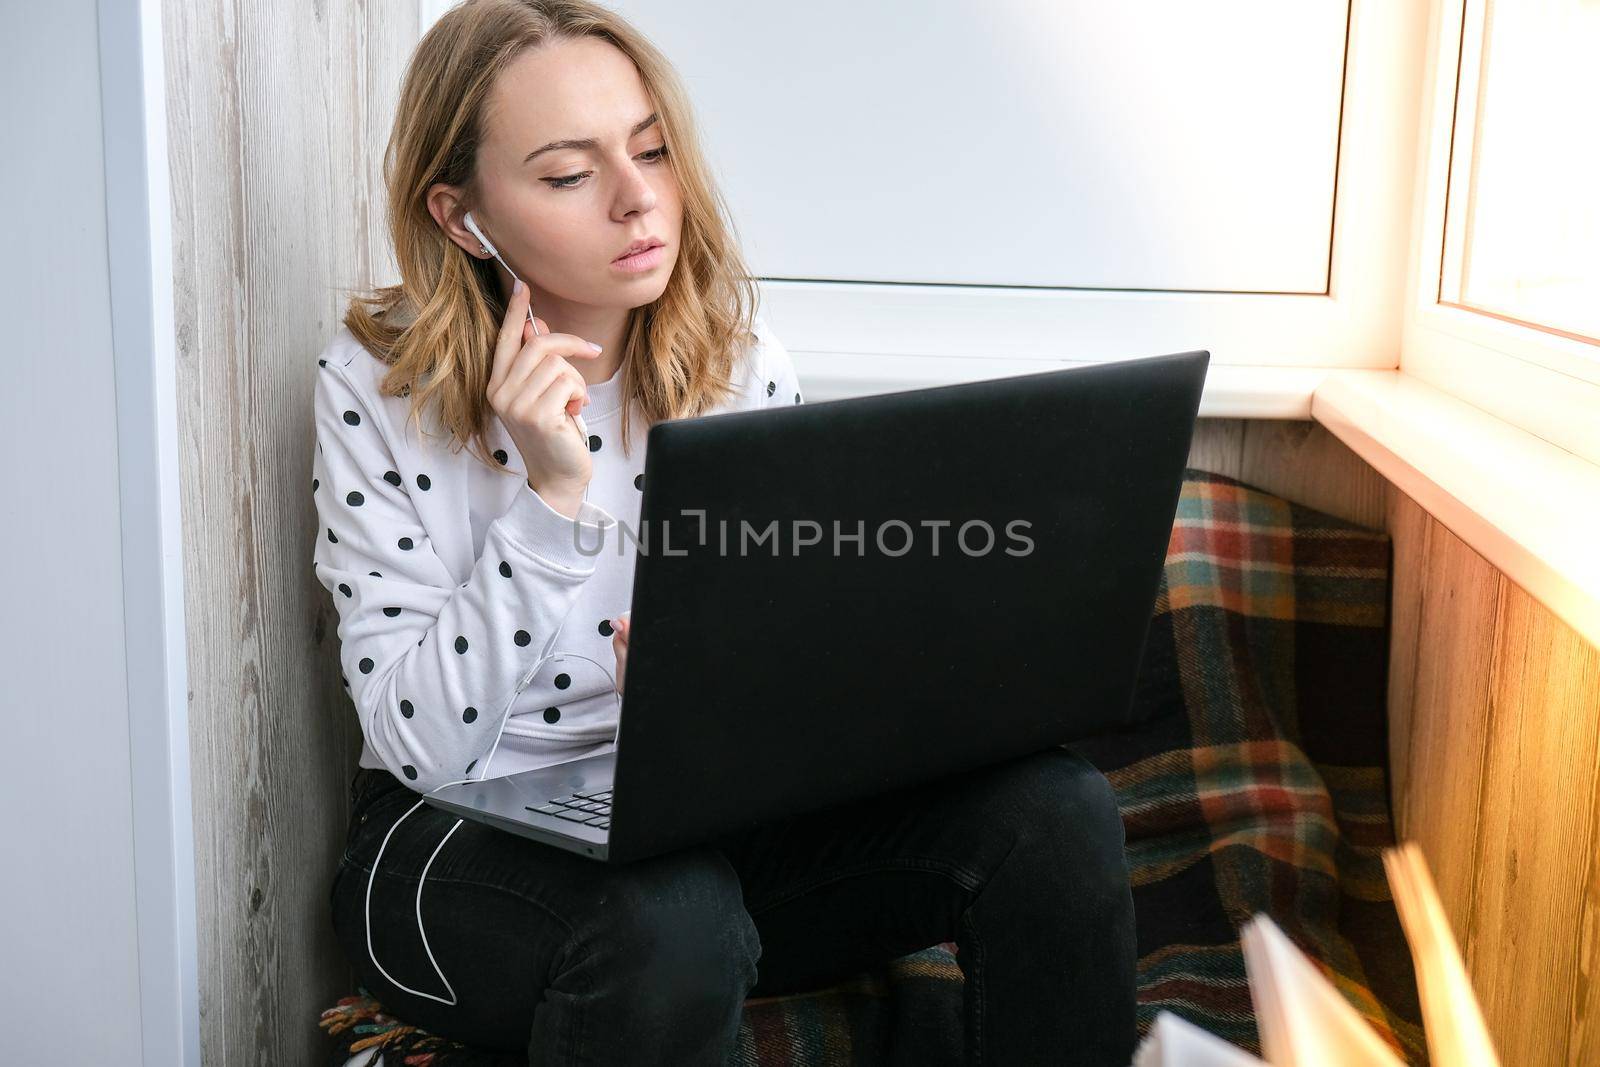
(510, 340)
(548, 350)
(566, 393)
(620, 648)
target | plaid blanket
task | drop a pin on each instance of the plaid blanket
(1253, 779)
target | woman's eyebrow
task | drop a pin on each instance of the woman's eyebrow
(590, 142)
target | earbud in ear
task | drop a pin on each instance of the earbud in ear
(472, 224)
(476, 232)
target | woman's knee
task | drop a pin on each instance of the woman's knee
(1067, 812)
(671, 936)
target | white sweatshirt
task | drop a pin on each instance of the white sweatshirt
(452, 581)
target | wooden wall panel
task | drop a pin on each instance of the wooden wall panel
(1408, 534)
(1494, 721)
(1446, 727)
(277, 117)
(1295, 459)
(1536, 831)
(1583, 1045)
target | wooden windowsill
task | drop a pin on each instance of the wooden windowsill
(1529, 508)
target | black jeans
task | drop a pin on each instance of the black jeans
(582, 962)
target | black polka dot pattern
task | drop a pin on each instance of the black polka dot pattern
(353, 416)
(772, 387)
(797, 398)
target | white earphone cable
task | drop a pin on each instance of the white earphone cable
(488, 246)
(483, 772)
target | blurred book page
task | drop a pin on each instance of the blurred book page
(1174, 1041)
(1450, 1013)
(1303, 1020)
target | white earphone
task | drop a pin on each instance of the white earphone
(472, 224)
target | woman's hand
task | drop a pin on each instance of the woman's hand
(619, 644)
(535, 391)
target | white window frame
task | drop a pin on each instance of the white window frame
(139, 211)
(1267, 349)
(1543, 382)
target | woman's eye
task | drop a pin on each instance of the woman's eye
(655, 155)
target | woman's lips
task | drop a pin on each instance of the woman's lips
(641, 261)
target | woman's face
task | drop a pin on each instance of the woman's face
(561, 215)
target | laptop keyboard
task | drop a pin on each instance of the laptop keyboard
(590, 809)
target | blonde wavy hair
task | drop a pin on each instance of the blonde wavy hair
(437, 328)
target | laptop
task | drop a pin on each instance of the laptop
(999, 548)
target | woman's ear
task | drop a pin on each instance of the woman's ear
(445, 204)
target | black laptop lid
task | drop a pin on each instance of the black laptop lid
(1012, 536)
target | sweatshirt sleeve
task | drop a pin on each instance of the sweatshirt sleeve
(433, 665)
(781, 385)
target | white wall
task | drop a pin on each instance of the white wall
(96, 913)
(67, 909)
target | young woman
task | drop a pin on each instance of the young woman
(457, 571)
